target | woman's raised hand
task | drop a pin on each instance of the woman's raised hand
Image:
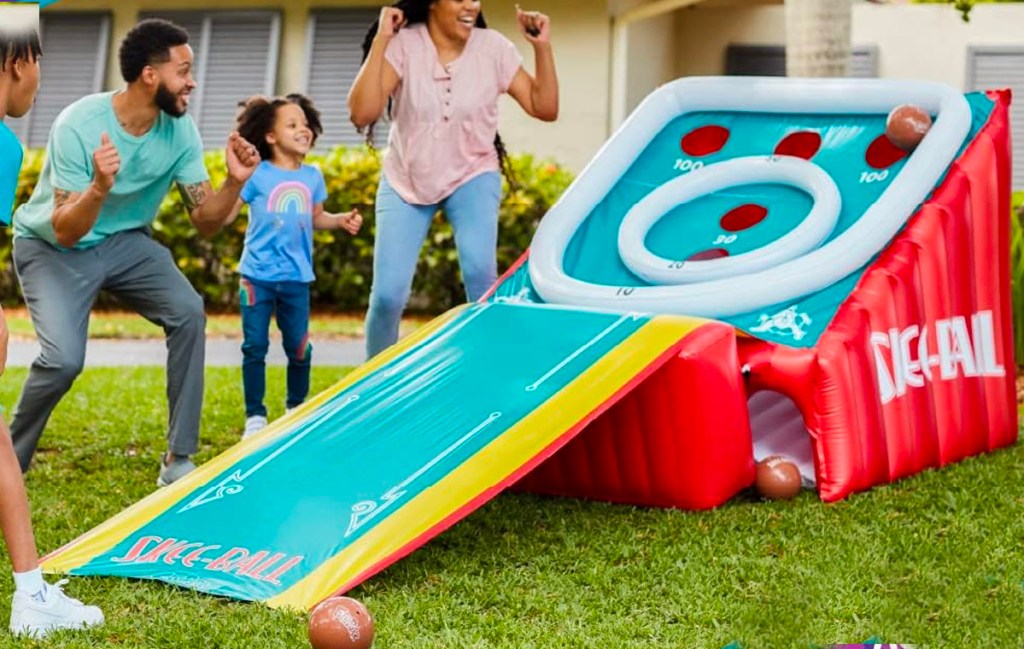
(391, 20)
(534, 25)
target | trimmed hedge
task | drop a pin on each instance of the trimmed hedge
(343, 264)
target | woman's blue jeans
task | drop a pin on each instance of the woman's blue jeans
(401, 229)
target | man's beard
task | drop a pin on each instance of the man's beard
(167, 101)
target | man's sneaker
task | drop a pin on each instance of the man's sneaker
(173, 470)
(253, 425)
(50, 610)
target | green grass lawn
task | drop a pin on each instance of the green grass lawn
(119, 324)
(934, 560)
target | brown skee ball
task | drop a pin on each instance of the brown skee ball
(778, 478)
(907, 125)
(340, 623)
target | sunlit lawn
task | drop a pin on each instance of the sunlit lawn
(934, 560)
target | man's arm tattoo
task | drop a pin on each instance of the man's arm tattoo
(61, 197)
(192, 195)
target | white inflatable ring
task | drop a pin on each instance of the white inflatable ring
(787, 281)
(796, 172)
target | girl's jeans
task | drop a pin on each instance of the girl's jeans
(290, 301)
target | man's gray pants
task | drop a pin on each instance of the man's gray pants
(60, 287)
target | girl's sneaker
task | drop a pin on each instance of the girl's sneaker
(253, 425)
(49, 610)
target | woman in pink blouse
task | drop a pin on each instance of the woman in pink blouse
(444, 71)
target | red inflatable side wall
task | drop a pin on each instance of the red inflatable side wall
(680, 439)
(916, 370)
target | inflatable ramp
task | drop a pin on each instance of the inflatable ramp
(748, 266)
(397, 452)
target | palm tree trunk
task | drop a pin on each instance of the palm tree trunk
(818, 38)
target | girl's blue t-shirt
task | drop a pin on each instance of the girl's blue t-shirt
(10, 166)
(279, 238)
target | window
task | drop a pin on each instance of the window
(335, 54)
(756, 60)
(236, 57)
(74, 63)
(1001, 67)
(770, 61)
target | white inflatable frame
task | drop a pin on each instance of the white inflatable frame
(724, 293)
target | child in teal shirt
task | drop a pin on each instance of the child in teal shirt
(38, 607)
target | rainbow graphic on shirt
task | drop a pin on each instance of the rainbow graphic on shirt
(291, 196)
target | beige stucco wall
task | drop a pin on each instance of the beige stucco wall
(914, 41)
(580, 32)
(704, 32)
(581, 42)
(930, 41)
(652, 57)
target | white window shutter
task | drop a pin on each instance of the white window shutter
(335, 56)
(1001, 67)
(241, 60)
(74, 64)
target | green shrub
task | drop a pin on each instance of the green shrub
(343, 263)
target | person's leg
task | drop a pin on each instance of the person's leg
(401, 229)
(15, 519)
(143, 275)
(293, 321)
(257, 301)
(37, 607)
(473, 212)
(59, 288)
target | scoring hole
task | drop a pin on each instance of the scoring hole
(882, 153)
(743, 217)
(710, 253)
(704, 140)
(802, 144)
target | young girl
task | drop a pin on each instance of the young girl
(286, 202)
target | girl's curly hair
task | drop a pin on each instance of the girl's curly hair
(258, 115)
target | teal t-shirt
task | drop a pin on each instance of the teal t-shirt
(171, 151)
(10, 165)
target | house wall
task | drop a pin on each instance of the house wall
(704, 33)
(930, 41)
(652, 56)
(926, 42)
(914, 41)
(580, 34)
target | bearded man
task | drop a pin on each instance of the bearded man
(110, 160)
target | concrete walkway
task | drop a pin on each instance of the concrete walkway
(219, 353)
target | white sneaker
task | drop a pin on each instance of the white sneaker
(253, 425)
(34, 618)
